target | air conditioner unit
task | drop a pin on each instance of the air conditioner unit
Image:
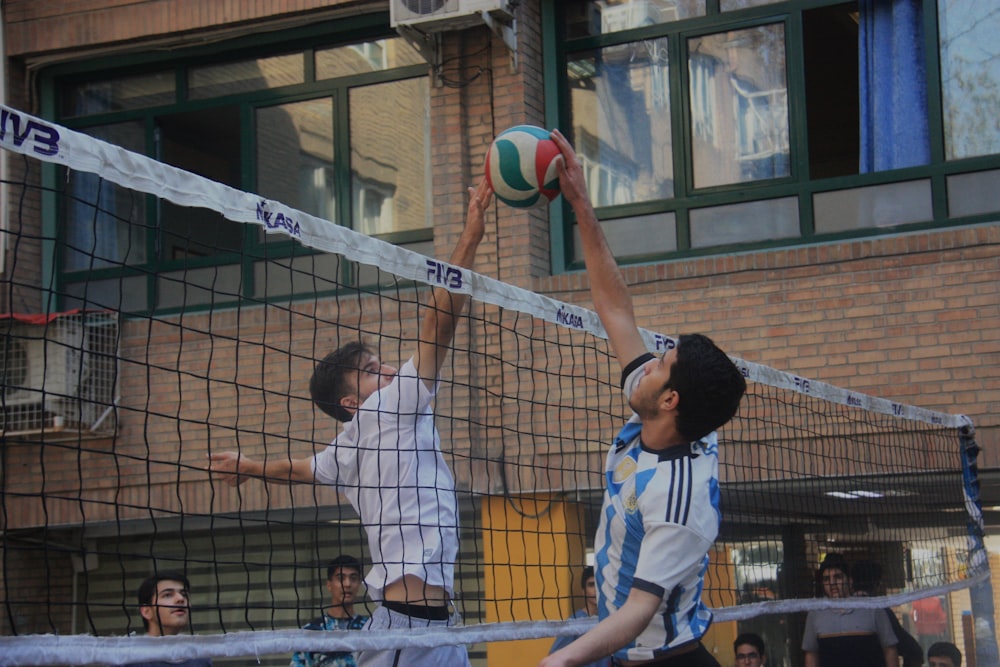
(61, 374)
(441, 15)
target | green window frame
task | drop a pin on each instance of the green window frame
(666, 208)
(147, 100)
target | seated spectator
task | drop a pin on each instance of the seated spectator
(749, 650)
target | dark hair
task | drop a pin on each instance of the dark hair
(708, 383)
(342, 561)
(945, 650)
(866, 576)
(835, 561)
(753, 640)
(330, 382)
(147, 589)
(587, 573)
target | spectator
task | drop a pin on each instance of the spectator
(343, 577)
(839, 637)
(166, 611)
(929, 620)
(749, 650)
(944, 654)
(589, 587)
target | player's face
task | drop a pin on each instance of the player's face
(748, 656)
(170, 609)
(343, 586)
(590, 595)
(649, 392)
(836, 583)
(940, 662)
(373, 376)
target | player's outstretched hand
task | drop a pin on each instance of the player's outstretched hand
(479, 201)
(229, 467)
(572, 184)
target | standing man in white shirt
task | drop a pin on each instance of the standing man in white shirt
(387, 461)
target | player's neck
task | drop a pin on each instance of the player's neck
(660, 434)
(340, 611)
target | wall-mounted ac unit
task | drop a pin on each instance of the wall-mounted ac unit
(440, 15)
(59, 375)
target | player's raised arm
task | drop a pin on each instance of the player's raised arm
(234, 468)
(607, 284)
(443, 308)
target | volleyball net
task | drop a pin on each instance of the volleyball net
(139, 339)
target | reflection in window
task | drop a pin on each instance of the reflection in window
(731, 5)
(245, 76)
(620, 107)
(295, 155)
(597, 17)
(112, 232)
(739, 106)
(205, 142)
(970, 77)
(365, 57)
(390, 131)
(119, 94)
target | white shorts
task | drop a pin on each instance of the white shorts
(438, 656)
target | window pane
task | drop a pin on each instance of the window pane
(121, 94)
(745, 222)
(833, 107)
(390, 154)
(205, 142)
(620, 108)
(637, 236)
(739, 106)
(105, 224)
(970, 77)
(974, 194)
(731, 5)
(876, 206)
(295, 156)
(598, 17)
(245, 75)
(365, 57)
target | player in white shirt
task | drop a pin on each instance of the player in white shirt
(387, 461)
(661, 509)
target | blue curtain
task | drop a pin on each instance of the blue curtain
(893, 90)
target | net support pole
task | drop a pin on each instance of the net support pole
(980, 594)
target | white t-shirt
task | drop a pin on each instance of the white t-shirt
(387, 462)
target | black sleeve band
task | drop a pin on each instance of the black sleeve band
(634, 364)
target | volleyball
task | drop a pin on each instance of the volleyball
(521, 167)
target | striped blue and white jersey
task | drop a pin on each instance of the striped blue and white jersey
(659, 520)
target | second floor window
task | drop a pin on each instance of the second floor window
(339, 131)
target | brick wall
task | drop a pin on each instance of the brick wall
(912, 318)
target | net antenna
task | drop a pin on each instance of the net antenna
(527, 404)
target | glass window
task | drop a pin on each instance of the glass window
(732, 5)
(372, 56)
(118, 94)
(390, 144)
(970, 77)
(310, 138)
(744, 222)
(620, 107)
(780, 119)
(206, 143)
(295, 155)
(245, 75)
(739, 106)
(597, 17)
(105, 224)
